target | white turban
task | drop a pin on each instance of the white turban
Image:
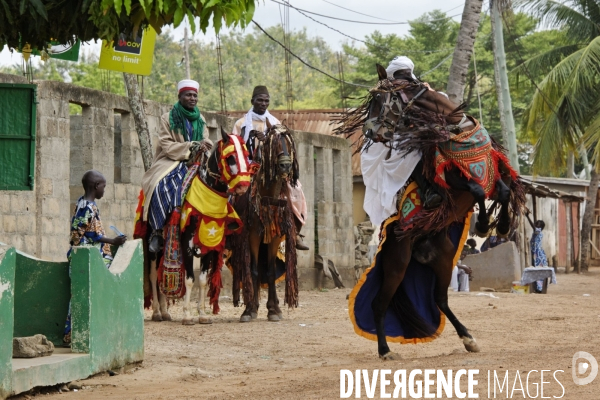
(398, 63)
(188, 84)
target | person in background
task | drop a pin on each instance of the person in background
(182, 133)
(538, 254)
(461, 275)
(252, 127)
(471, 247)
(87, 229)
(492, 242)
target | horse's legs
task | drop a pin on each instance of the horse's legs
(188, 262)
(503, 228)
(274, 313)
(251, 310)
(203, 318)
(395, 257)
(442, 267)
(459, 182)
(156, 314)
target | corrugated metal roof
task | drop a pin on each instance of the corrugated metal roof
(322, 121)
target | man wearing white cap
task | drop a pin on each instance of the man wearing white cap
(252, 127)
(181, 130)
(385, 173)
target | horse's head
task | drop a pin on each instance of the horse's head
(280, 154)
(393, 102)
(233, 163)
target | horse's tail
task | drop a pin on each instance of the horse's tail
(416, 326)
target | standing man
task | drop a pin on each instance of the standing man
(252, 126)
(182, 132)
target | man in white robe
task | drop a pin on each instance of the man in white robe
(385, 172)
(252, 127)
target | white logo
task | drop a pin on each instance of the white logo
(582, 367)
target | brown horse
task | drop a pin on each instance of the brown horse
(408, 116)
(402, 108)
(268, 221)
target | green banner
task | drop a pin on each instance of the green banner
(64, 51)
(68, 52)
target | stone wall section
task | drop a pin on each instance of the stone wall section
(104, 138)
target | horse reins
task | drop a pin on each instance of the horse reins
(392, 98)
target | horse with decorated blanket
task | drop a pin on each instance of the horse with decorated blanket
(403, 297)
(198, 228)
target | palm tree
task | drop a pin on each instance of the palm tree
(564, 111)
(463, 50)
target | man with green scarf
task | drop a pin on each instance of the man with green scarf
(182, 129)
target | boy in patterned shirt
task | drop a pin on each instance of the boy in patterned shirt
(86, 227)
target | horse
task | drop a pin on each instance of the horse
(268, 221)
(396, 111)
(211, 178)
(408, 116)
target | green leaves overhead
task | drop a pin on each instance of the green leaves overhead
(563, 112)
(37, 21)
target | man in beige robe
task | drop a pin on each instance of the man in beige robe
(182, 130)
(253, 127)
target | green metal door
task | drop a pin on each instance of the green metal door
(17, 136)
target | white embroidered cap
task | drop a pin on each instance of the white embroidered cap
(188, 84)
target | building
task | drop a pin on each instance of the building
(42, 162)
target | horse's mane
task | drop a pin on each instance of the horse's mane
(427, 127)
(272, 148)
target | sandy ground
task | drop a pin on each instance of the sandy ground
(301, 356)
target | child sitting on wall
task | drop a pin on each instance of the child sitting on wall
(86, 228)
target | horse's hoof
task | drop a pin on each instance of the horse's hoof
(502, 231)
(273, 318)
(280, 315)
(156, 316)
(166, 317)
(480, 231)
(389, 356)
(254, 315)
(501, 235)
(187, 321)
(204, 320)
(471, 345)
(245, 318)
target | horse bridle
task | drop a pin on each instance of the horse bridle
(372, 125)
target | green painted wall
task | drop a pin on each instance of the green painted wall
(107, 306)
(7, 276)
(42, 293)
(107, 312)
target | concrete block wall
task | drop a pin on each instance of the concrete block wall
(496, 268)
(327, 186)
(104, 138)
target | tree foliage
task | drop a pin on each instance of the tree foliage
(249, 59)
(38, 21)
(564, 111)
(431, 40)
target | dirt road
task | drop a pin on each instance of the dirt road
(301, 356)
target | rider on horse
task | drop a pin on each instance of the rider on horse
(385, 172)
(257, 118)
(183, 132)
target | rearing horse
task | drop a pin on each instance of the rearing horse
(268, 221)
(408, 116)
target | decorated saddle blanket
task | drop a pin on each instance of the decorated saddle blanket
(418, 284)
(474, 154)
(216, 217)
